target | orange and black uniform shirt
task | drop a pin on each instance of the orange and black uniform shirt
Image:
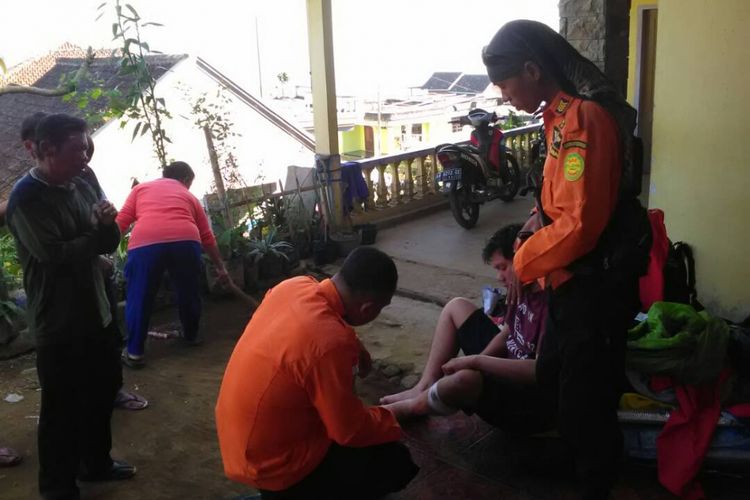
(579, 191)
(288, 390)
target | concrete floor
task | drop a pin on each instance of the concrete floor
(438, 240)
(437, 259)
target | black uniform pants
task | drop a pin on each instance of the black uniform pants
(581, 370)
(347, 473)
(79, 382)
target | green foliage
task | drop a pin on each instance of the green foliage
(212, 112)
(120, 259)
(121, 254)
(3, 67)
(260, 247)
(283, 80)
(512, 121)
(233, 241)
(137, 101)
(11, 271)
(271, 213)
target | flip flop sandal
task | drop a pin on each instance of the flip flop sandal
(9, 457)
(131, 362)
(130, 401)
(165, 334)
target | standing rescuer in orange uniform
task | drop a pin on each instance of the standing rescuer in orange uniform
(585, 248)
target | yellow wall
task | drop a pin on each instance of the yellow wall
(353, 140)
(633, 43)
(701, 151)
(385, 137)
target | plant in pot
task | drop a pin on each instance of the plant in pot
(269, 255)
(233, 247)
(10, 321)
(292, 258)
(120, 258)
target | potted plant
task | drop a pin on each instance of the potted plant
(10, 316)
(233, 246)
(269, 255)
(292, 258)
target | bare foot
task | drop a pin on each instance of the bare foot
(408, 409)
(407, 394)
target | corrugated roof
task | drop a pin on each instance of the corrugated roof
(441, 80)
(470, 84)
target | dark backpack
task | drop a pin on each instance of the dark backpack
(679, 276)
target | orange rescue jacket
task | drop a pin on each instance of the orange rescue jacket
(288, 390)
(579, 191)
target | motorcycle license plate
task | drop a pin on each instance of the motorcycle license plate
(450, 174)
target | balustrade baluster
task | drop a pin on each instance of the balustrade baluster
(511, 144)
(434, 166)
(409, 191)
(395, 184)
(370, 202)
(382, 200)
(423, 187)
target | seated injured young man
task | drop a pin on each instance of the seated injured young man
(495, 378)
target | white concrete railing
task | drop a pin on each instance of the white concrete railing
(409, 177)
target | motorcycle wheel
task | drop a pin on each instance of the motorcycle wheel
(464, 211)
(510, 190)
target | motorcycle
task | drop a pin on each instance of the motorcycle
(478, 172)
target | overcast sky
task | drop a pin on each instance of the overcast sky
(381, 43)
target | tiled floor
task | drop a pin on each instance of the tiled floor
(462, 457)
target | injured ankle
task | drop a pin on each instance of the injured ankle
(437, 406)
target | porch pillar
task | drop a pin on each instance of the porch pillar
(328, 159)
(599, 30)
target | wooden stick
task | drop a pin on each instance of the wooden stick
(240, 294)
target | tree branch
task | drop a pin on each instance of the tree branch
(12, 88)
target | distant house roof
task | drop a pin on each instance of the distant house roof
(472, 84)
(456, 82)
(46, 72)
(441, 81)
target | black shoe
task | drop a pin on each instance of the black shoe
(119, 471)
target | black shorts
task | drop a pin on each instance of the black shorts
(508, 405)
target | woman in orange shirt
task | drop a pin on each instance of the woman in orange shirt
(586, 187)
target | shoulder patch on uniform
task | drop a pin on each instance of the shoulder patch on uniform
(556, 140)
(574, 144)
(562, 105)
(573, 166)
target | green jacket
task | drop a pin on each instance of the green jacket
(58, 246)
(679, 342)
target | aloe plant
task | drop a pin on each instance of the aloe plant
(260, 247)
